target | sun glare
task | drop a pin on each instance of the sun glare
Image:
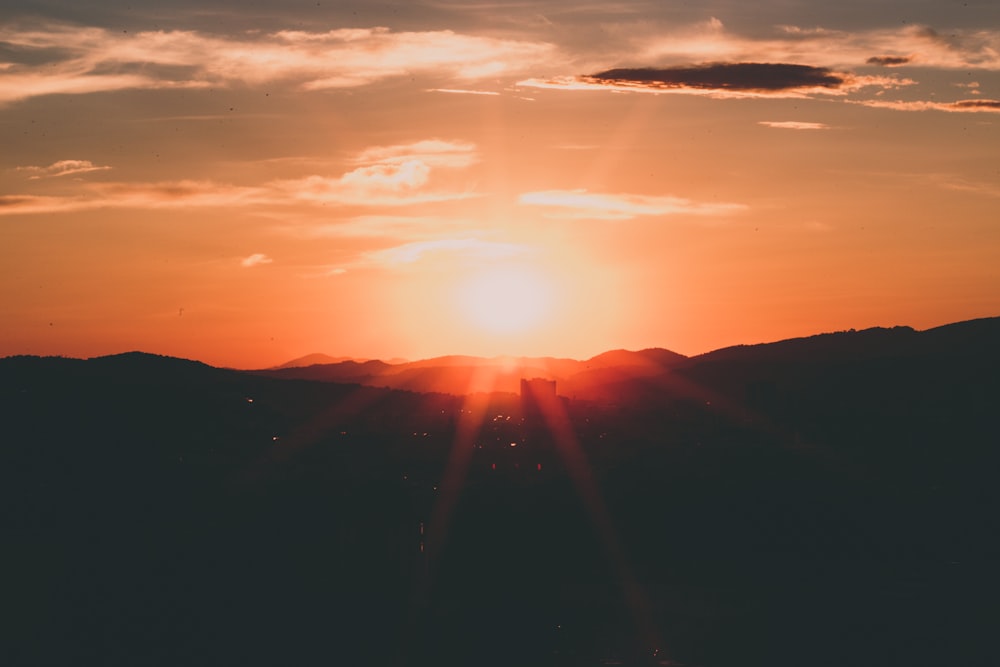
(506, 300)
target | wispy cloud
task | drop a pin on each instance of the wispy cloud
(912, 45)
(583, 204)
(255, 259)
(960, 106)
(379, 226)
(459, 91)
(390, 176)
(710, 60)
(62, 168)
(160, 195)
(983, 188)
(468, 248)
(90, 59)
(431, 152)
(793, 125)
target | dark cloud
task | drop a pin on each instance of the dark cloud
(977, 104)
(726, 76)
(888, 61)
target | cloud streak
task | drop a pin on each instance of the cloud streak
(432, 152)
(470, 248)
(391, 176)
(793, 125)
(87, 60)
(917, 46)
(724, 80)
(256, 259)
(62, 168)
(960, 106)
(889, 61)
(759, 77)
(581, 204)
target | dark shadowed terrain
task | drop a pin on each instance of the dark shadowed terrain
(823, 501)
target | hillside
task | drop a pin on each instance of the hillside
(836, 491)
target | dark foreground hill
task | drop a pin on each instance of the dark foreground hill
(823, 501)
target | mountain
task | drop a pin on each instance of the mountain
(463, 374)
(313, 360)
(752, 504)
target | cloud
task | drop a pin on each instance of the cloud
(390, 176)
(587, 205)
(90, 59)
(432, 152)
(889, 61)
(919, 45)
(376, 185)
(741, 79)
(406, 254)
(62, 168)
(255, 259)
(371, 226)
(459, 91)
(793, 125)
(983, 188)
(726, 76)
(960, 106)
(468, 248)
(161, 195)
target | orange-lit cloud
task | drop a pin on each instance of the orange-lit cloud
(469, 248)
(459, 91)
(794, 125)
(583, 204)
(398, 177)
(960, 106)
(379, 226)
(431, 152)
(86, 60)
(255, 259)
(708, 59)
(62, 168)
(918, 45)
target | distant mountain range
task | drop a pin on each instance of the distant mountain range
(467, 375)
(605, 376)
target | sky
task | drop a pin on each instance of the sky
(247, 182)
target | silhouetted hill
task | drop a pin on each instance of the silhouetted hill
(650, 357)
(821, 501)
(958, 339)
(460, 375)
(359, 372)
(313, 360)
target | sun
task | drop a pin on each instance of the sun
(507, 299)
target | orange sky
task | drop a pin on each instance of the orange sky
(247, 186)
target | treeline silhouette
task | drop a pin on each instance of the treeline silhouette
(822, 501)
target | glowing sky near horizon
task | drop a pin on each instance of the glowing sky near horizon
(248, 182)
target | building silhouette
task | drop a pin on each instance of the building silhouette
(536, 393)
